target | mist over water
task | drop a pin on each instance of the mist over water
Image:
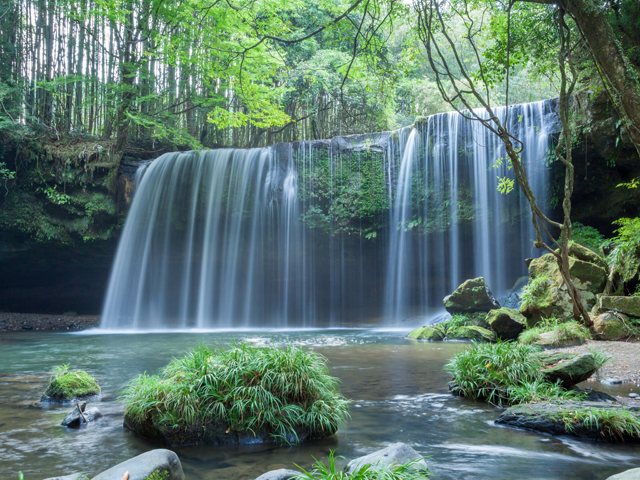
(215, 239)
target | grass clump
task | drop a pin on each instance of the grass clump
(409, 471)
(66, 385)
(241, 394)
(535, 292)
(617, 424)
(564, 332)
(503, 374)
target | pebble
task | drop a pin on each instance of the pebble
(633, 395)
(611, 381)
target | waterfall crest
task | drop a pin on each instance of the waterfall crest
(239, 238)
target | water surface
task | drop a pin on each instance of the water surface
(398, 388)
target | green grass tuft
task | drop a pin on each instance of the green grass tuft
(246, 388)
(613, 424)
(66, 385)
(534, 292)
(409, 471)
(502, 374)
(565, 331)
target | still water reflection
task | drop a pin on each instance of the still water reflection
(398, 388)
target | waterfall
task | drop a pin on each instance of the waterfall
(277, 236)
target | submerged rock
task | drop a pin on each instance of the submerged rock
(164, 463)
(567, 418)
(627, 305)
(396, 454)
(633, 474)
(472, 296)
(611, 326)
(280, 474)
(75, 419)
(571, 371)
(506, 322)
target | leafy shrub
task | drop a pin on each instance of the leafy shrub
(565, 331)
(243, 389)
(66, 384)
(626, 242)
(587, 236)
(320, 471)
(503, 374)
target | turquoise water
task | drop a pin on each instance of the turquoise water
(398, 388)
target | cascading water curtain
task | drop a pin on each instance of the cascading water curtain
(281, 237)
(449, 222)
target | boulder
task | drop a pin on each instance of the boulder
(550, 298)
(471, 333)
(472, 296)
(554, 339)
(557, 418)
(69, 385)
(142, 466)
(434, 333)
(506, 322)
(633, 474)
(572, 371)
(280, 474)
(630, 306)
(74, 419)
(586, 255)
(396, 454)
(611, 326)
(551, 358)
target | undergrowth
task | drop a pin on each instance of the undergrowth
(248, 388)
(503, 374)
(565, 331)
(319, 471)
(613, 424)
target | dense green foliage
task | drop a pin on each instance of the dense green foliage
(564, 331)
(247, 389)
(66, 385)
(408, 471)
(502, 374)
(614, 424)
(587, 236)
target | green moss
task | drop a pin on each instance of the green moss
(66, 385)
(158, 475)
(537, 293)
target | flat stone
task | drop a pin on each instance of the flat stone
(547, 417)
(628, 305)
(280, 474)
(144, 465)
(633, 474)
(633, 395)
(396, 454)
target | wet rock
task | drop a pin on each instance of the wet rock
(611, 326)
(280, 474)
(611, 381)
(471, 333)
(633, 474)
(559, 418)
(472, 296)
(144, 465)
(396, 454)
(627, 305)
(596, 396)
(506, 322)
(75, 420)
(573, 370)
(547, 294)
(435, 333)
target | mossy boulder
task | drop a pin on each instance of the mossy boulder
(546, 295)
(67, 386)
(629, 306)
(571, 371)
(471, 333)
(472, 296)
(434, 333)
(506, 322)
(557, 339)
(611, 326)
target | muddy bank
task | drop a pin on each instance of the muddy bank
(18, 322)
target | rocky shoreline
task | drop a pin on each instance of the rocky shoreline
(20, 322)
